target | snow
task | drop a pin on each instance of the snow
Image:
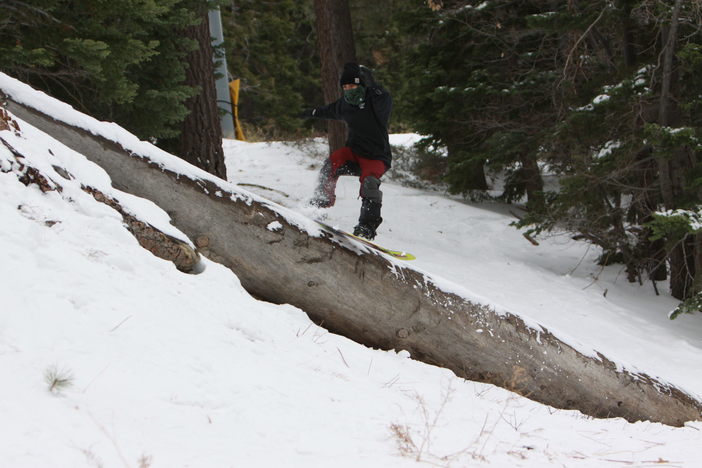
(556, 285)
(24, 94)
(607, 149)
(174, 370)
(85, 173)
(693, 218)
(274, 226)
(586, 108)
(600, 99)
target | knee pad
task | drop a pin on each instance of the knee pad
(370, 189)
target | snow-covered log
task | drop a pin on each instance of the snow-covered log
(358, 293)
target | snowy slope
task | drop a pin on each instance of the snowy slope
(557, 284)
(472, 252)
(174, 370)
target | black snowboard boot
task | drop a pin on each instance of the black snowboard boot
(367, 230)
(371, 204)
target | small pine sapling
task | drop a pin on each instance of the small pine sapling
(58, 379)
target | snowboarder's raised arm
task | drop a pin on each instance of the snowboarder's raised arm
(379, 96)
(367, 77)
(330, 111)
(382, 104)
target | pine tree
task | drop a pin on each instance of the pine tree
(271, 47)
(383, 39)
(486, 76)
(118, 60)
(595, 147)
(627, 145)
(604, 93)
(200, 138)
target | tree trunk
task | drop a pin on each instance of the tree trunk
(682, 268)
(336, 47)
(653, 251)
(697, 282)
(671, 166)
(533, 183)
(200, 141)
(627, 35)
(665, 104)
(472, 173)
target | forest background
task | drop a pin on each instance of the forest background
(603, 96)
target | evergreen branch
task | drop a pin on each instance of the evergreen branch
(577, 43)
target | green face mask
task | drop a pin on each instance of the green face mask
(355, 96)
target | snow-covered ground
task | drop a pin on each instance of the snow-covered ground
(556, 284)
(165, 369)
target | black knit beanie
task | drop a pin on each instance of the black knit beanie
(351, 75)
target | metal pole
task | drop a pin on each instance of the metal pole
(222, 82)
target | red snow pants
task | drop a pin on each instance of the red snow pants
(369, 167)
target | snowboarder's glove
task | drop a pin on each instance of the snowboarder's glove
(367, 77)
(307, 113)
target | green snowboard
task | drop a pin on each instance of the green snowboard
(393, 253)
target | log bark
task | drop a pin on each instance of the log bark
(381, 304)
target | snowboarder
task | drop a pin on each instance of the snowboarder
(365, 107)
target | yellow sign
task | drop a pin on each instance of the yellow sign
(234, 92)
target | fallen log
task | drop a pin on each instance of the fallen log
(365, 296)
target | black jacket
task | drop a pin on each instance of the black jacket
(368, 126)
